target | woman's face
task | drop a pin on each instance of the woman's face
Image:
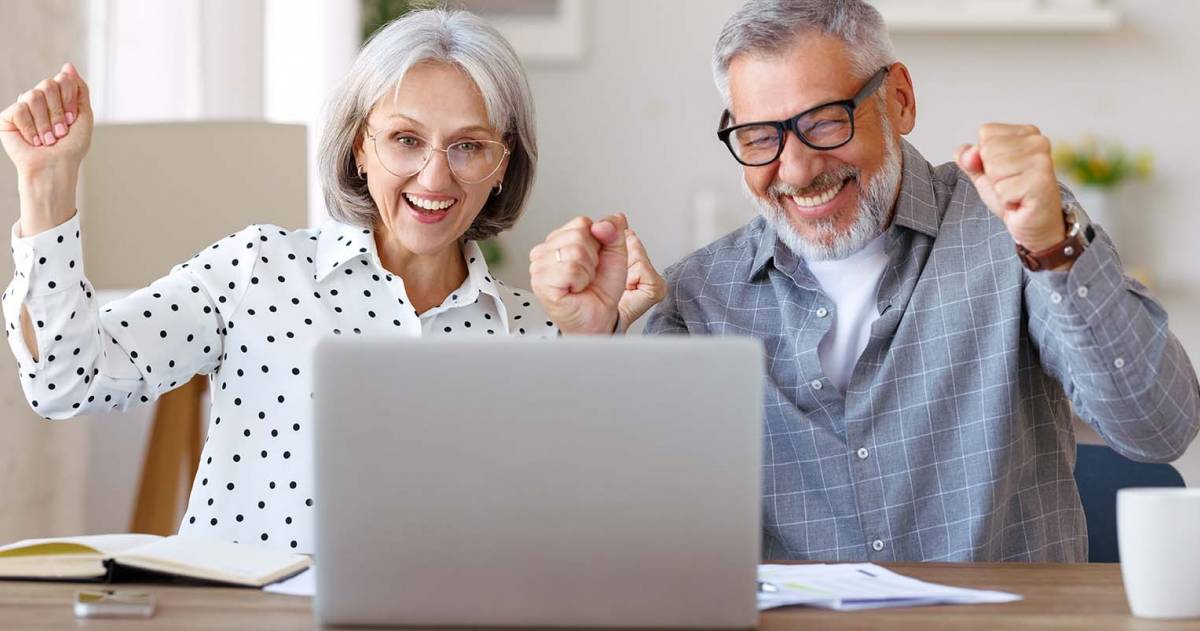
(437, 106)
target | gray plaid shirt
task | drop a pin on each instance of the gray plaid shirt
(953, 441)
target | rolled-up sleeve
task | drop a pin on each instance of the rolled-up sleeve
(1107, 340)
(132, 350)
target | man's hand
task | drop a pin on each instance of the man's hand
(644, 287)
(1013, 171)
(587, 273)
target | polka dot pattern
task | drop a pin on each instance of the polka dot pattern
(245, 311)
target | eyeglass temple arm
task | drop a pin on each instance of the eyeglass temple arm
(872, 85)
(723, 123)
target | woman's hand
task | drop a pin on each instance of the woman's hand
(587, 273)
(46, 133)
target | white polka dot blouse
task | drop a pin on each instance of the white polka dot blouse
(246, 312)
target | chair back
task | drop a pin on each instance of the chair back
(154, 194)
(1099, 473)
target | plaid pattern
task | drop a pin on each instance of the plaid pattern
(953, 441)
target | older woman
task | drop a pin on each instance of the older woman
(430, 145)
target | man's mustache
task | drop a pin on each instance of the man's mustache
(819, 184)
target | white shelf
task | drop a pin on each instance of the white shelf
(990, 20)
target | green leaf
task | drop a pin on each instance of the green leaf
(493, 253)
(376, 13)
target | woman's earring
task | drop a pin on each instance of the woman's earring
(499, 189)
(362, 173)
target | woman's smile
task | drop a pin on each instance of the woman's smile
(429, 208)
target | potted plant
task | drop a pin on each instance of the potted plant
(1097, 168)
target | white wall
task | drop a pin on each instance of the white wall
(632, 126)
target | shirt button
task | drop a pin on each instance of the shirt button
(816, 384)
(1081, 292)
(1119, 362)
(822, 312)
(1056, 297)
(863, 453)
(877, 545)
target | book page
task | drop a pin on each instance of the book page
(215, 560)
(102, 545)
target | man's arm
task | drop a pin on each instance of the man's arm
(1097, 331)
(1107, 341)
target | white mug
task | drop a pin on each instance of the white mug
(1158, 531)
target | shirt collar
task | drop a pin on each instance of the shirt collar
(480, 281)
(916, 209)
(917, 205)
(765, 249)
(339, 244)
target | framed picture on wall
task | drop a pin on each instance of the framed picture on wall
(542, 31)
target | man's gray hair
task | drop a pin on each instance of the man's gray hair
(455, 38)
(771, 27)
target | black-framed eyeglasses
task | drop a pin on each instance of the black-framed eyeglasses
(824, 127)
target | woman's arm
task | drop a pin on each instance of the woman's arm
(73, 357)
(135, 348)
(47, 133)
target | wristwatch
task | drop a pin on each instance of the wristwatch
(1062, 252)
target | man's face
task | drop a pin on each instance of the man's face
(823, 204)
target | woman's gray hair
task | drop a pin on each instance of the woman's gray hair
(770, 27)
(455, 38)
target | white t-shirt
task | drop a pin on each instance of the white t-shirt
(852, 284)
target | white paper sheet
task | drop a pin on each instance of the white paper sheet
(302, 584)
(853, 586)
(843, 587)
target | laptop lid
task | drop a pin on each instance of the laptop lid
(578, 482)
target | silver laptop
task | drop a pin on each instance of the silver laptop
(571, 483)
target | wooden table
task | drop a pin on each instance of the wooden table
(1089, 597)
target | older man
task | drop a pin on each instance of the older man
(927, 329)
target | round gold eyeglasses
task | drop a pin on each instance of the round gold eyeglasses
(405, 154)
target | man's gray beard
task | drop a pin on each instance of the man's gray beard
(875, 200)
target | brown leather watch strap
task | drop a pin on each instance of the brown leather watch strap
(1058, 254)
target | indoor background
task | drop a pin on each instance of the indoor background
(626, 113)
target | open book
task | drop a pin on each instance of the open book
(109, 557)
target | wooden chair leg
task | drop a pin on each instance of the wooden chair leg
(172, 457)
